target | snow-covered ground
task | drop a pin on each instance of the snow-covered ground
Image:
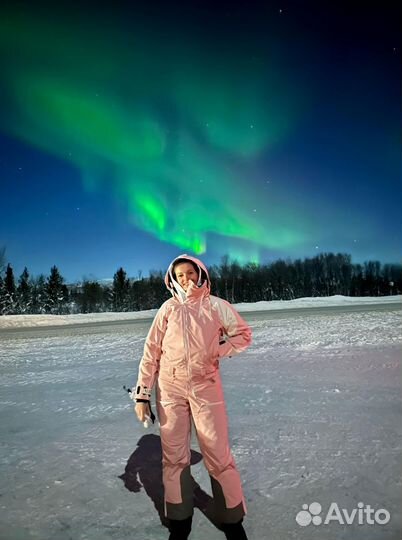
(19, 321)
(315, 416)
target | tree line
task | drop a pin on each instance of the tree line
(324, 275)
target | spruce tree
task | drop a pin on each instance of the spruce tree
(8, 296)
(57, 293)
(120, 291)
(39, 295)
(24, 293)
(92, 297)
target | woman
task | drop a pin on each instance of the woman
(191, 332)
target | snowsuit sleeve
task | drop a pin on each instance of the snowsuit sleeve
(149, 364)
(237, 333)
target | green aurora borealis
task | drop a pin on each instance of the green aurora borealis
(138, 131)
(175, 135)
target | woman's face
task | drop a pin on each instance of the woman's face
(185, 272)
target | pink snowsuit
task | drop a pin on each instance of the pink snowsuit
(181, 355)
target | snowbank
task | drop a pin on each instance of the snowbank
(29, 321)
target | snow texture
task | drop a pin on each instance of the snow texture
(314, 411)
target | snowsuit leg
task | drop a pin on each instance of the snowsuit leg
(175, 430)
(202, 399)
(210, 420)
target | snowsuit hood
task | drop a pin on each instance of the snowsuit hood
(175, 288)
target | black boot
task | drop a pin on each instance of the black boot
(234, 531)
(180, 528)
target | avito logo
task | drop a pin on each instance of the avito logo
(363, 514)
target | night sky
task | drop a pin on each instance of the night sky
(129, 135)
